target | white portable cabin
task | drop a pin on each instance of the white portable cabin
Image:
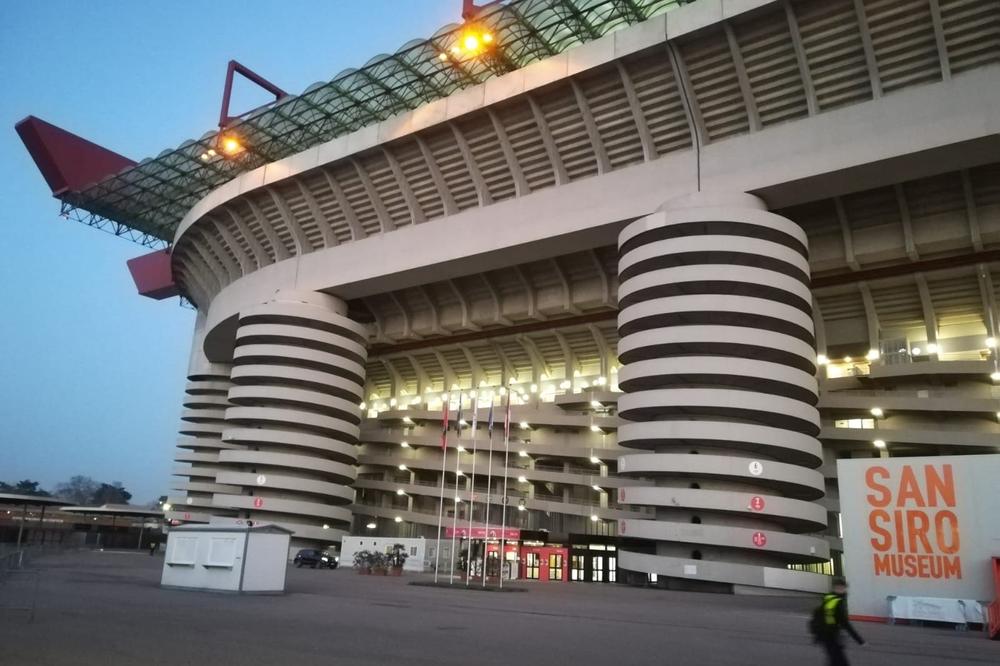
(227, 559)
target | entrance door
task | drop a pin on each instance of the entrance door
(577, 571)
(555, 566)
(597, 565)
(532, 564)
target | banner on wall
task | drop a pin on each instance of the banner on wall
(918, 527)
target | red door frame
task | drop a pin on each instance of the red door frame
(543, 553)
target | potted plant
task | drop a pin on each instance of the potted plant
(378, 564)
(397, 558)
(363, 562)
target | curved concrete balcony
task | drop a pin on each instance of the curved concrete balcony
(211, 429)
(333, 493)
(202, 471)
(336, 472)
(792, 447)
(296, 398)
(749, 575)
(279, 417)
(203, 444)
(546, 449)
(798, 516)
(305, 378)
(203, 487)
(765, 409)
(796, 548)
(344, 452)
(274, 508)
(193, 457)
(859, 402)
(267, 354)
(785, 479)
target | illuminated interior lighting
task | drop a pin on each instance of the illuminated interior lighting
(520, 507)
(932, 348)
(872, 355)
(847, 359)
(995, 376)
(522, 479)
(405, 444)
(595, 428)
(398, 519)
(522, 453)
(400, 491)
(594, 518)
(595, 460)
(524, 425)
(402, 467)
(879, 444)
(877, 412)
(915, 351)
(822, 359)
(991, 343)
(596, 404)
(596, 487)
(371, 526)
(565, 384)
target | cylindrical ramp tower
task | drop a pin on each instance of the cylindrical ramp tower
(298, 379)
(716, 341)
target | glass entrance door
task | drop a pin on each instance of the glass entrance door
(555, 566)
(577, 570)
(531, 566)
(597, 564)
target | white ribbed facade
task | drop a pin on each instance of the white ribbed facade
(718, 375)
(685, 375)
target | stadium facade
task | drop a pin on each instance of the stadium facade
(705, 249)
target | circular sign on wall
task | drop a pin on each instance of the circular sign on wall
(261, 479)
(759, 539)
(756, 468)
(190, 500)
(258, 502)
(756, 503)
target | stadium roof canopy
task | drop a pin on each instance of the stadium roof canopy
(145, 201)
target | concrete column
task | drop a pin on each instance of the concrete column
(298, 380)
(200, 441)
(716, 340)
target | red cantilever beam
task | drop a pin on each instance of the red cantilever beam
(69, 163)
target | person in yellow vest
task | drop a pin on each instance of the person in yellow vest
(828, 621)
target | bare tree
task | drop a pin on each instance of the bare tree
(79, 489)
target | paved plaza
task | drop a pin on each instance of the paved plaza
(107, 608)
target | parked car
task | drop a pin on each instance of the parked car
(311, 557)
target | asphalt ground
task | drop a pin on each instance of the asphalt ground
(108, 609)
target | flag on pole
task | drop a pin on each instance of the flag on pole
(444, 426)
(506, 471)
(472, 495)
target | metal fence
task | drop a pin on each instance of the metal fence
(18, 584)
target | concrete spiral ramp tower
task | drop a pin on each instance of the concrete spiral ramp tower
(298, 377)
(716, 342)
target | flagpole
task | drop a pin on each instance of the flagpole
(454, 511)
(472, 495)
(444, 460)
(489, 492)
(506, 455)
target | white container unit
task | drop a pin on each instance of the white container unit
(227, 559)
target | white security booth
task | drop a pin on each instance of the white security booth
(227, 558)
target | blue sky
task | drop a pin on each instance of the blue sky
(92, 375)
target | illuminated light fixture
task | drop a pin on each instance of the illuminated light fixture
(472, 393)
(596, 487)
(932, 348)
(998, 419)
(991, 343)
(167, 506)
(595, 428)
(326, 526)
(402, 467)
(470, 42)
(995, 376)
(363, 406)
(463, 422)
(534, 388)
(398, 519)
(407, 420)
(879, 443)
(915, 351)
(405, 444)
(822, 359)
(205, 157)
(594, 518)
(596, 404)
(461, 449)
(456, 50)
(847, 359)
(458, 500)
(487, 38)
(522, 454)
(400, 491)
(393, 402)
(415, 401)
(444, 396)
(459, 473)
(520, 507)
(502, 391)
(595, 460)
(524, 425)
(877, 412)
(902, 350)
(442, 56)
(565, 384)
(522, 479)
(371, 526)
(872, 355)
(600, 381)
(231, 145)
